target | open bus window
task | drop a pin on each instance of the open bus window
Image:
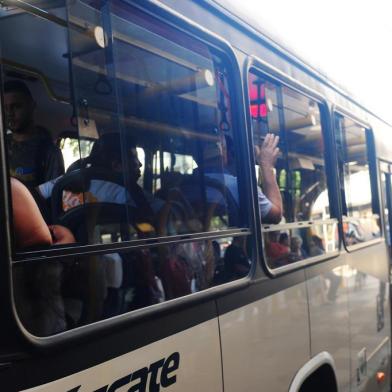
(300, 172)
(360, 222)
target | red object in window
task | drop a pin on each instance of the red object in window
(257, 94)
(263, 110)
(258, 111)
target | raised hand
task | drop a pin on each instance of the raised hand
(268, 152)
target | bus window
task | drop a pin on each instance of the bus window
(360, 222)
(173, 97)
(305, 229)
(148, 137)
(52, 297)
(386, 197)
(73, 149)
(173, 165)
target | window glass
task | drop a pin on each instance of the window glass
(167, 97)
(305, 179)
(52, 297)
(289, 245)
(172, 165)
(144, 125)
(73, 148)
(299, 171)
(360, 223)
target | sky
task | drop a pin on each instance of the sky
(350, 41)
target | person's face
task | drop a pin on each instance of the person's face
(295, 245)
(134, 165)
(285, 241)
(19, 111)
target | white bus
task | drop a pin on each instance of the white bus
(134, 124)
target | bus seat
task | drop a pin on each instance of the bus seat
(78, 181)
(78, 164)
(212, 199)
(109, 218)
(181, 212)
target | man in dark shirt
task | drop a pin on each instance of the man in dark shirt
(33, 157)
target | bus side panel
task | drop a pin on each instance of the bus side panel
(186, 361)
(265, 342)
(329, 318)
(369, 316)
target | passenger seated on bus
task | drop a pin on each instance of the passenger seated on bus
(38, 284)
(106, 155)
(297, 252)
(284, 239)
(135, 274)
(218, 160)
(29, 226)
(316, 246)
(277, 251)
(33, 157)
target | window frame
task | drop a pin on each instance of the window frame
(385, 167)
(222, 46)
(280, 78)
(374, 172)
(197, 32)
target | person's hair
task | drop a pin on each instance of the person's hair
(296, 241)
(17, 86)
(318, 241)
(283, 237)
(107, 149)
